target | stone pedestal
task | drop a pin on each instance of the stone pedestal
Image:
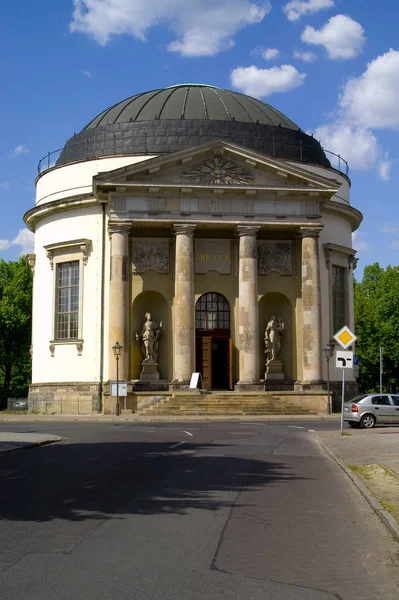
(149, 371)
(274, 370)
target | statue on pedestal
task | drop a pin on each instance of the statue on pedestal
(149, 337)
(273, 333)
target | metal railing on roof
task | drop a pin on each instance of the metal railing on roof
(337, 161)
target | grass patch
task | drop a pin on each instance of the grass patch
(347, 434)
(361, 471)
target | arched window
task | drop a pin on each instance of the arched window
(212, 311)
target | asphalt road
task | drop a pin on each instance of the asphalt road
(196, 511)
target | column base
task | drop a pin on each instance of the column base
(181, 385)
(249, 386)
(314, 385)
(140, 385)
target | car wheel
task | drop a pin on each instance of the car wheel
(367, 422)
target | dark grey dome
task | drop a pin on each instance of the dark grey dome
(181, 116)
(191, 101)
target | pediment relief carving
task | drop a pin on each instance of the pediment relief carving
(217, 170)
(218, 164)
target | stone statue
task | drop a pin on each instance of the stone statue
(149, 337)
(273, 332)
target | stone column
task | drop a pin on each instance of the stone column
(248, 311)
(311, 306)
(184, 313)
(119, 299)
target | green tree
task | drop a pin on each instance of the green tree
(376, 325)
(15, 328)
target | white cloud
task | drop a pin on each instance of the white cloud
(25, 240)
(308, 57)
(356, 145)
(341, 36)
(5, 185)
(371, 100)
(18, 151)
(86, 73)
(395, 245)
(390, 229)
(203, 27)
(384, 168)
(4, 244)
(298, 8)
(359, 242)
(270, 53)
(264, 82)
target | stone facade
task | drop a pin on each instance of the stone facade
(214, 220)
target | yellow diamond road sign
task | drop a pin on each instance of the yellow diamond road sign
(345, 337)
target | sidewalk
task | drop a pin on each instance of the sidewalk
(371, 460)
(31, 417)
(10, 441)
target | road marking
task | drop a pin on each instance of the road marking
(175, 445)
(295, 427)
(188, 433)
(312, 430)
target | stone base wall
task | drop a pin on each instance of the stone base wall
(351, 390)
(77, 398)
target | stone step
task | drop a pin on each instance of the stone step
(229, 411)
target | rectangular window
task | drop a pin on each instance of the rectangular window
(67, 301)
(339, 297)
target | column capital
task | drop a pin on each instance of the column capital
(249, 230)
(184, 228)
(310, 232)
(119, 228)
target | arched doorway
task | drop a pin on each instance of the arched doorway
(214, 350)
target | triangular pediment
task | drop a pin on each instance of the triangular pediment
(218, 164)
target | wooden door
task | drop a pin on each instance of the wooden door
(207, 361)
(230, 363)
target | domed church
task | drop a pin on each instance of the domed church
(204, 233)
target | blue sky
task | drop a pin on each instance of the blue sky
(332, 66)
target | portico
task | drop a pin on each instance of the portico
(174, 254)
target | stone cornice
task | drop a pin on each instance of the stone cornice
(32, 216)
(353, 215)
(83, 245)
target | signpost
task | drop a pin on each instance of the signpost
(196, 378)
(344, 360)
(119, 390)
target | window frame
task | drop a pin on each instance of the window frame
(334, 317)
(65, 252)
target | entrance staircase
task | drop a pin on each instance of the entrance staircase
(223, 404)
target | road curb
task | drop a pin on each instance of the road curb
(161, 418)
(26, 445)
(388, 520)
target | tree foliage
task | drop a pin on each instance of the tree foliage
(15, 328)
(376, 325)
